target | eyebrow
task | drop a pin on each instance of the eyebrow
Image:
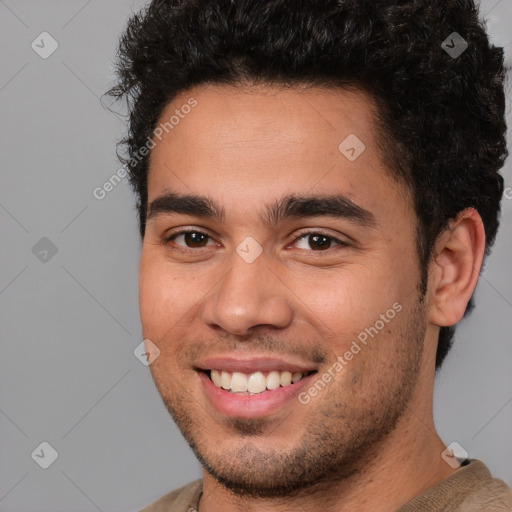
(288, 207)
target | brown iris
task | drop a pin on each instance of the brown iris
(195, 239)
(320, 241)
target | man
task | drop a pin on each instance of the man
(317, 187)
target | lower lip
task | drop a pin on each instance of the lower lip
(251, 406)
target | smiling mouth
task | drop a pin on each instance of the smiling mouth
(254, 383)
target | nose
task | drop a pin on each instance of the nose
(249, 295)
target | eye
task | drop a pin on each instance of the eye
(317, 242)
(195, 239)
(192, 239)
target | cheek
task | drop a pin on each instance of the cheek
(349, 299)
(358, 310)
(159, 299)
(163, 306)
(169, 296)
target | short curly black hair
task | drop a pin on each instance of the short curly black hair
(443, 115)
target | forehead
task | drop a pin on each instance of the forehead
(268, 119)
(272, 141)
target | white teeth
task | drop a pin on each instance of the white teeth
(296, 376)
(215, 375)
(273, 380)
(285, 379)
(225, 380)
(238, 382)
(256, 383)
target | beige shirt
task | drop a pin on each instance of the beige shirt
(470, 489)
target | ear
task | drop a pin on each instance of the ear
(455, 267)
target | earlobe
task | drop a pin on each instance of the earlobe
(455, 268)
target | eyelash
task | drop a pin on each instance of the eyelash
(167, 240)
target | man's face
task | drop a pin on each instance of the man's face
(271, 285)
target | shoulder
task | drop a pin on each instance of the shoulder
(470, 489)
(490, 494)
(184, 499)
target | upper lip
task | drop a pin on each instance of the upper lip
(252, 364)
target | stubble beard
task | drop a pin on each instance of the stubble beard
(339, 439)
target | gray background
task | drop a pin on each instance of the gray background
(70, 324)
